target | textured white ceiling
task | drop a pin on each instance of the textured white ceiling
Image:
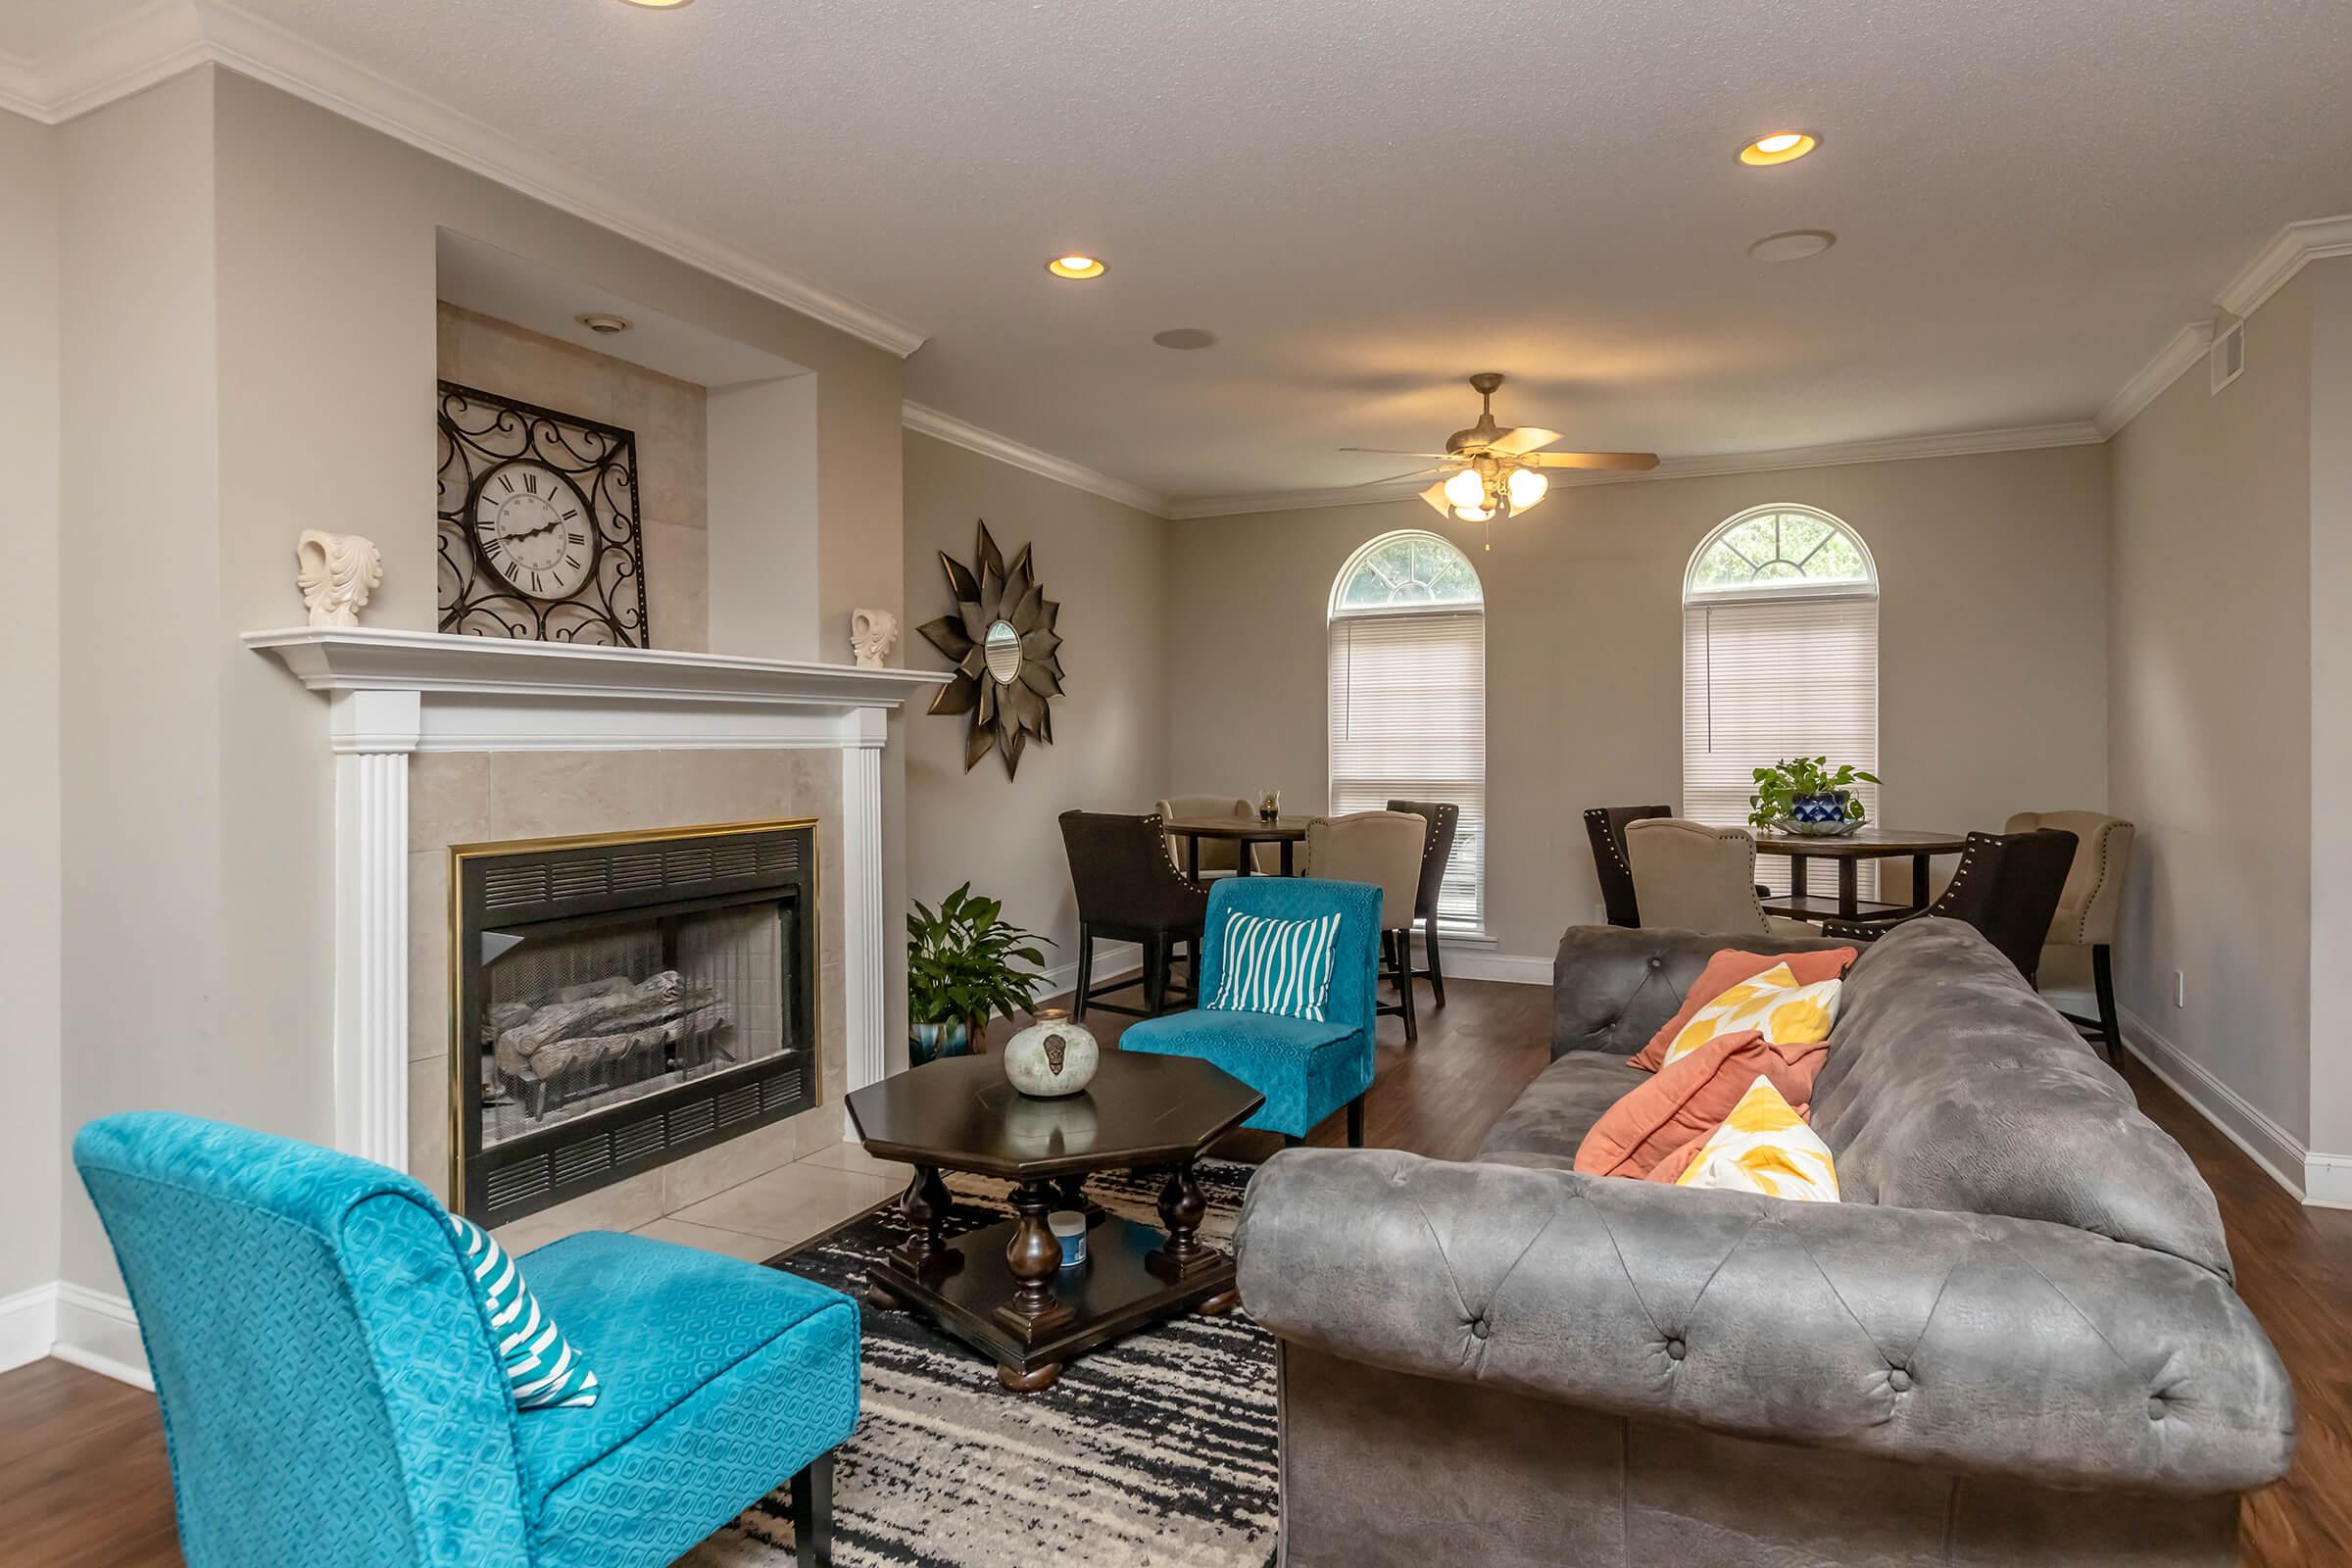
(1368, 199)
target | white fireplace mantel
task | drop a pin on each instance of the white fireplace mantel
(391, 693)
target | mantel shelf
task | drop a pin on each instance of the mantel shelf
(362, 658)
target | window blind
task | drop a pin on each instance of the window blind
(1769, 678)
(1408, 721)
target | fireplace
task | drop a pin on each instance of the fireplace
(620, 1001)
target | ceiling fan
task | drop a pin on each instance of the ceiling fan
(1490, 471)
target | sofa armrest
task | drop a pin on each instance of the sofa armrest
(1988, 1346)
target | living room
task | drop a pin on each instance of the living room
(939, 537)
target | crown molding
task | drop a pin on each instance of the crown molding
(2185, 348)
(2285, 254)
(1893, 449)
(169, 37)
(946, 427)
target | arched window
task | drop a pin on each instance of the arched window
(1780, 658)
(1408, 695)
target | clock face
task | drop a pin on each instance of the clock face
(533, 529)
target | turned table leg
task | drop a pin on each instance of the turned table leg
(925, 1254)
(1034, 1257)
(1182, 1208)
(1073, 1196)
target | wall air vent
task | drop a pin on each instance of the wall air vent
(2228, 356)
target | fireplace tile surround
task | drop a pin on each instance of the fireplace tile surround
(439, 741)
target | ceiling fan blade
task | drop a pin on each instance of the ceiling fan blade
(1526, 438)
(1634, 462)
(1394, 477)
(1399, 452)
(1435, 495)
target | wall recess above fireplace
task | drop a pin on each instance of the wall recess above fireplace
(619, 1000)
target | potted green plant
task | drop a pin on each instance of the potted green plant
(961, 972)
(1805, 796)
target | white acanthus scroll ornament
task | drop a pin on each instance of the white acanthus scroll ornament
(873, 633)
(337, 572)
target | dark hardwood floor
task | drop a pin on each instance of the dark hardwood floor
(83, 1479)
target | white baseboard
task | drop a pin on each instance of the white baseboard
(99, 1332)
(1112, 959)
(27, 1326)
(2272, 1147)
(2327, 1180)
(1513, 968)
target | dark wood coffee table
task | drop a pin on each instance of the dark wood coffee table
(1002, 1289)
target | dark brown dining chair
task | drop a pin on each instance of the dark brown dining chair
(2007, 884)
(1130, 891)
(1444, 820)
(1604, 826)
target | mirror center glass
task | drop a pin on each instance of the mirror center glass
(1004, 652)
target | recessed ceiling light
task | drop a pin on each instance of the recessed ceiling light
(1794, 245)
(605, 321)
(1075, 267)
(1781, 147)
(1185, 337)
(658, 5)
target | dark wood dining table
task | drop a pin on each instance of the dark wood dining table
(1869, 842)
(1244, 831)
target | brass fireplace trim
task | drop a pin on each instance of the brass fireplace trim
(458, 854)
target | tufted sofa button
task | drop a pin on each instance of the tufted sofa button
(1675, 1349)
(2155, 1407)
(1657, 962)
(1900, 1381)
(1479, 1329)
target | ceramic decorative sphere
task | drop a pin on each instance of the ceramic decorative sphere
(1052, 1058)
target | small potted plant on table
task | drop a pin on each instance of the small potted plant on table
(1806, 796)
(961, 972)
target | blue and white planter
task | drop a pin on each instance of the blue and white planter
(1821, 816)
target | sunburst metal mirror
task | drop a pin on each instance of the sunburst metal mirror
(1005, 650)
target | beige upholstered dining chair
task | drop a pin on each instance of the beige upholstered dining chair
(2076, 964)
(1694, 877)
(1383, 849)
(1217, 858)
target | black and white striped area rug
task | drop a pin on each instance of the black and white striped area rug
(1156, 1452)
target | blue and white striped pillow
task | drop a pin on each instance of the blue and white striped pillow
(543, 1371)
(1280, 966)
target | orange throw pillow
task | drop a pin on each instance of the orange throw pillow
(1727, 969)
(1676, 1108)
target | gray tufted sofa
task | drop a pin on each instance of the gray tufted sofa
(2016, 1341)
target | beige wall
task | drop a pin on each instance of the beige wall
(249, 312)
(1991, 636)
(668, 417)
(2210, 701)
(29, 806)
(147, 992)
(1106, 565)
(2330, 286)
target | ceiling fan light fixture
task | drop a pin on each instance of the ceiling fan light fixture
(1474, 514)
(1466, 490)
(1526, 487)
(1779, 147)
(1075, 265)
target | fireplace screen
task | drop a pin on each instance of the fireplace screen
(625, 1002)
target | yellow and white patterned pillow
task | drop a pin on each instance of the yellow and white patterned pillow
(1765, 1146)
(1773, 1004)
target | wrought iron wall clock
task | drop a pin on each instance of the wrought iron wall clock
(539, 534)
(1007, 652)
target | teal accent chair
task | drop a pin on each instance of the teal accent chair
(330, 1392)
(1306, 1070)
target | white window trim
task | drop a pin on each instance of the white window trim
(1786, 590)
(1469, 931)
